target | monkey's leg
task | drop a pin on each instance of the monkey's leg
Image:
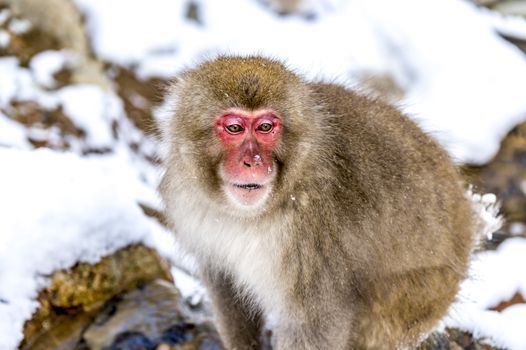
(406, 306)
(238, 323)
(315, 329)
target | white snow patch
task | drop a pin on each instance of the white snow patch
(93, 110)
(487, 209)
(15, 82)
(12, 134)
(89, 106)
(46, 63)
(469, 99)
(19, 26)
(4, 15)
(517, 228)
(144, 27)
(495, 276)
(190, 287)
(60, 209)
(4, 39)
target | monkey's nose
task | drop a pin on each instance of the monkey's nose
(252, 161)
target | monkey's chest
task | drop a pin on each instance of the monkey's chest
(250, 254)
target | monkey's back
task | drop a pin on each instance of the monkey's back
(406, 263)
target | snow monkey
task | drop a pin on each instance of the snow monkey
(331, 212)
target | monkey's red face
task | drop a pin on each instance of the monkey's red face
(248, 139)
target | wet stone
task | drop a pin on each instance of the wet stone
(151, 317)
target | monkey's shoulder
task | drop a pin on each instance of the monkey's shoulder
(376, 130)
(354, 107)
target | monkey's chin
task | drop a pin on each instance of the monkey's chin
(247, 195)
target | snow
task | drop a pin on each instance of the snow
(517, 228)
(47, 63)
(462, 83)
(15, 82)
(4, 39)
(62, 209)
(129, 41)
(191, 289)
(4, 15)
(92, 109)
(494, 276)
(487, 209)
(89, 107)
(512, 26)
(19, 26)
(467, 84)
(12, 134)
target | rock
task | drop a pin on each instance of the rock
(54, 25)
(285, 6)
(25, 40)
(454, 339)
(511, 8)
(148, 318)
(75, 296)
(31, 114)
(193, 12)
(140, 97)
(517, 298)
(58, 18)
(519, 42)
(487, 2)
(504, 176)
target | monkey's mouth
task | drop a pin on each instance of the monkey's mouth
(247, 194)
(248, 186)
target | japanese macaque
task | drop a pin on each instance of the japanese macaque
(330, 211)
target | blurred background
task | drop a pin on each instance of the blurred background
(85, 259)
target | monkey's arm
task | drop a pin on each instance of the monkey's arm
(239, 325)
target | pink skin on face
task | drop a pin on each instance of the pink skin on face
(248, 139)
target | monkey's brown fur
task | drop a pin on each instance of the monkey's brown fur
(365, 237)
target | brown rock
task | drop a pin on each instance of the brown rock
(511, 8)
(31, 114)
(454, 339)
(504, 175)
(75, 296)
(56, 24)
(139, 97)
(517, 298)
(60, 19)
(26, 44)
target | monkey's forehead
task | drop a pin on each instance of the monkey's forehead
(252, 82)
(243, 62)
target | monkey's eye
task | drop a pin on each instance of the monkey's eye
(234, 128)
(264, 127)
